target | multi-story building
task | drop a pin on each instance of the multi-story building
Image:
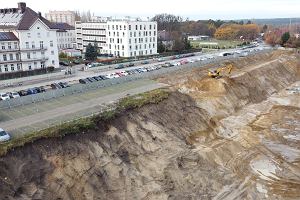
(28, 41)
(65, 34)
(61, 17)
(124, 38)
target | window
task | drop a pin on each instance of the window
(39, 35)
(11, 57)
(136, 27)
(28, 55)
(9, 45)
(42, 65)
(35, 65)
(117, 34)
(0, 68)
(27, 45)
(129, 41)
(122, 47)
(4, 57)
(3, 46)
(33, 45)
(140, 27)
(29, 66)
(53, 62)
(28, 35)
(116, 27)
(18, 67)
(12, 67)
(154, 33)
(120, 27)
(123, 34)
(51, 43)
(130, 34)
(150, 27)
(108, 33)
(134, 34)
(124, 27)
(113, 27)
(129, 27)
(41, 44)
(5, 68)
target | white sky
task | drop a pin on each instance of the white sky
(193, 9)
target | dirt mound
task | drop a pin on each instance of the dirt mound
(214, 139)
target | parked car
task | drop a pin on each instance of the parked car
(4, 96)
(120, 66)
(97, 78)
(63, 63)
(103, 77)
(55, 86)
(4, 136)
(64, 84)
(84, 81)
(130, 64)
(14, 95)
(91, 79)
(31, 91)
(145, 62)
(40, 89)
(22, 93)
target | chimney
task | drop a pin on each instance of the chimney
(40, 14)
(22, 6)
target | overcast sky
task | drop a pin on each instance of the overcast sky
(193, 9)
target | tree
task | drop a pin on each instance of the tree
(63, 55)
(91, 52)
(167, 22)
(187, 44)
(160, 47)
(285, 37)
(265, 28)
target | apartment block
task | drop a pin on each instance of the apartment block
(120, 38)
(61, 17)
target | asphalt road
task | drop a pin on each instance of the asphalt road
(70, 110)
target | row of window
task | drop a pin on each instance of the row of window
(11, 56)
(134, 53)
(61, 34)
(41, 46)
(136, 40)
(137, 27)
(37, 35)
(132, 34)
(121, 47)
(11, 67)
(9, 45)
(66, 40)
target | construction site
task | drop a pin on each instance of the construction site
(223, 131)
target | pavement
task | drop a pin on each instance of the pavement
(38, 119)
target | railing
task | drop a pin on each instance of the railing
(10, 61)
(9, 50)
(34, 59)
(34, 49)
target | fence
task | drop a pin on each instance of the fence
(80, 88)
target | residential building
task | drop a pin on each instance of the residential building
(123, 37)
(65, 34)
(28, 41)
(61, 17)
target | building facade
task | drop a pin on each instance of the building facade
(120, 38)
(28, 41)
(61, 17)
(66, 37)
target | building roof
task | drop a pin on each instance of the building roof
(8, 36)
(62, 27)
(21, 18)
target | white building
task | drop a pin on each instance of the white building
(28, 40)
(198, 37)
(66, 37)
(124, 38)
(61, 17)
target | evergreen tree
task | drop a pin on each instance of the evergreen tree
(91, 52)
(285, 37)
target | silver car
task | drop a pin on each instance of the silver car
(4, 136)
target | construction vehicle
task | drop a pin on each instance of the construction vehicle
(219, 72)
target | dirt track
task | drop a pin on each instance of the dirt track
(230, 138)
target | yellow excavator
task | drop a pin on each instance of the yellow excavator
(218, 73)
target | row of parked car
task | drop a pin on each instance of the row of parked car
(30, 91)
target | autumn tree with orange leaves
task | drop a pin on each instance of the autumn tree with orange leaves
(237, 31)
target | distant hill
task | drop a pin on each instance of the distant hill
(276, 21)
